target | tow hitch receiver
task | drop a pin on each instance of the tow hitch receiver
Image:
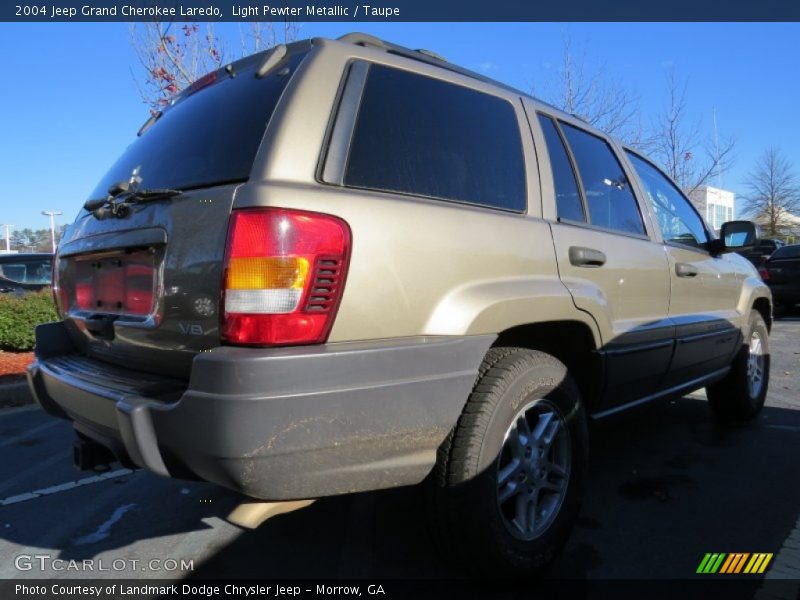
(91, 456)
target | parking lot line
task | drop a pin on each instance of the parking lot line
(64, 487)
(29, 433)
(30, 472)
(15, 410)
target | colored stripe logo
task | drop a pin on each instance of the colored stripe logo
(734, 563)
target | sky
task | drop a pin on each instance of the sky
(70, 105)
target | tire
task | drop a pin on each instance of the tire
(738, 397)
(483, 524)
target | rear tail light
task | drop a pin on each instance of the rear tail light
(284, 276)
(59, 293)
(764, 274)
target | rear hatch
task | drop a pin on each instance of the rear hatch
(142, 288)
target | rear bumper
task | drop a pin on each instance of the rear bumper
(281, 423)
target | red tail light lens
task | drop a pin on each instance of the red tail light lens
(284, 276)
(764, 274)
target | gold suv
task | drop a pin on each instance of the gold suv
(340, 266)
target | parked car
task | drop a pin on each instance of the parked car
(781, 272)
(23, 273)
(762, 250)
(419, 274)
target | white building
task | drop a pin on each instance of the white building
(716, 205)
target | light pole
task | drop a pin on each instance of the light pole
(8, 237)
(52, 214)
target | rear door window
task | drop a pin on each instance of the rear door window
(423, 136)
(609, 198)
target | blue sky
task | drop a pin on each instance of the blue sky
(70, 106)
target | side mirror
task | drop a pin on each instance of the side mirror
(738, 235)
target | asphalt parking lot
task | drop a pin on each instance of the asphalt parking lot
(667, 485)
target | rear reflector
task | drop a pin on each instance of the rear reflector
(284, 275)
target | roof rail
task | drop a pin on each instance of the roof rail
(364, 39)
(426, 56)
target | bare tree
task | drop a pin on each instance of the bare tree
(594, 96)
(173, 55)
(774, 193)
(262, 36)
(677, 144)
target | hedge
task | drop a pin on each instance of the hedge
(19, 316)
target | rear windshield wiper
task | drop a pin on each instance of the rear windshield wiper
(121, 196)
(145, 195)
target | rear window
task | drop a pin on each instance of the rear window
(786, 252)
(37, 271)
(208, 138)
(423, 136)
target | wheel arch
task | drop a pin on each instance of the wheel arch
(571, 342)
(764, 306)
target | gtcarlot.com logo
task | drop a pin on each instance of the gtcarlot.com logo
(734, 563)
(45, 562)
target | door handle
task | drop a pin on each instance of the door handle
(685, 270)
(586, 257)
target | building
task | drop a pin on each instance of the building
(716, 205)
(788, 226)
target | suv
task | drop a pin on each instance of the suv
(409, 272)
(762, 250)
(23, 273)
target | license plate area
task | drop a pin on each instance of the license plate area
(121, 283)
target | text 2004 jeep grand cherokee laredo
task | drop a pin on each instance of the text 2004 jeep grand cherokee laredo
(346, 265)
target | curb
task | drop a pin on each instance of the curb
(15, 394)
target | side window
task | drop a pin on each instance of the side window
(422, 136)
(677, 219)
(568, 198)
(608, 193)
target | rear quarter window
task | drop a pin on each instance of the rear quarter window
(423, 136)
(786, 252)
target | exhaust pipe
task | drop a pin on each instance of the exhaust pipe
(91, 456)
(252, 513)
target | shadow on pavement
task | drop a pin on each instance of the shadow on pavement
(667, 484)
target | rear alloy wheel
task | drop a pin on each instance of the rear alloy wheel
(509, 478)
(740, 395)
(533, 470)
